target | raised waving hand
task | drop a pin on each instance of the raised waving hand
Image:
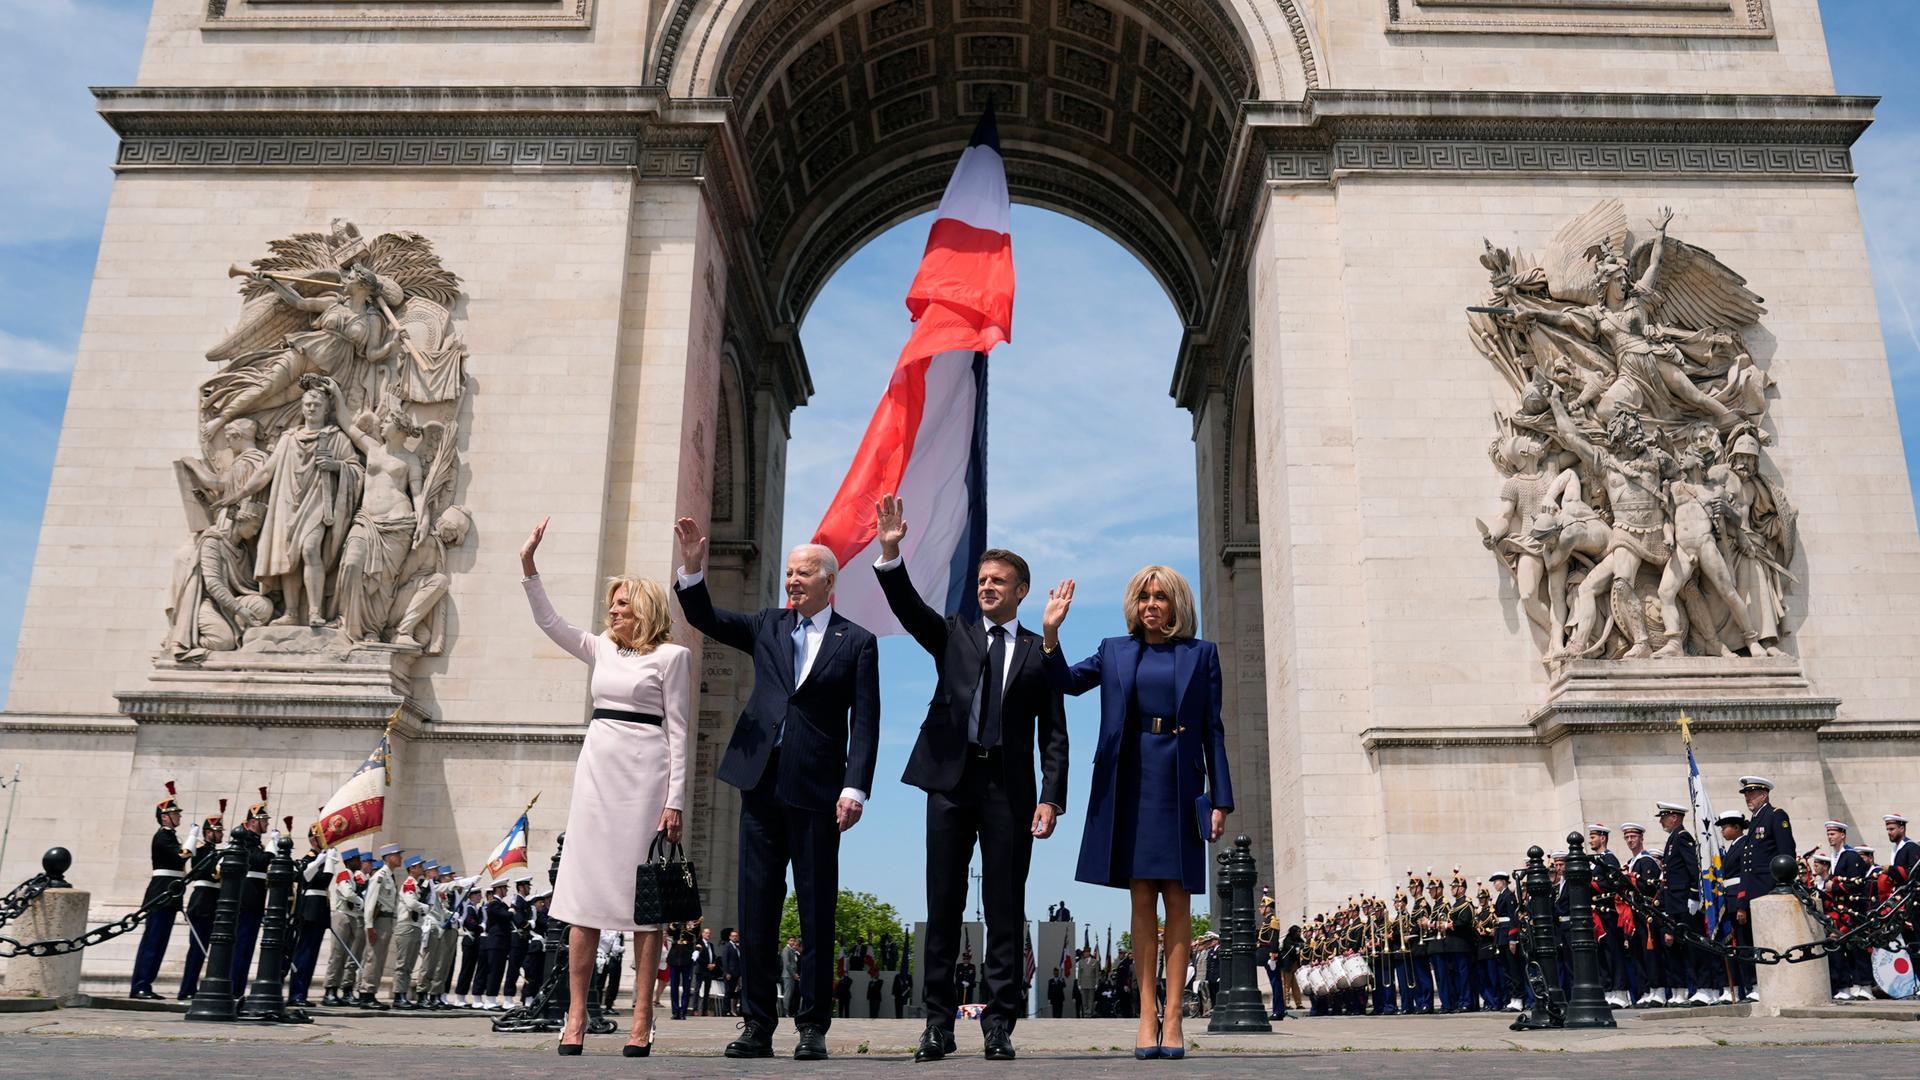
(693, 546)
(1059, 601)
(890, 516)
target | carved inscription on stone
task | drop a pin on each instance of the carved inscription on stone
(321, 500)
(1638, 514)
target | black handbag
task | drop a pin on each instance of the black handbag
(666, 888)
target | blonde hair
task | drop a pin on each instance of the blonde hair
(653, 618)
(1184, 623)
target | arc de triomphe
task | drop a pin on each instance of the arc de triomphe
(601, 224)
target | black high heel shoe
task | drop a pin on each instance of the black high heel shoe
(630, 1050)
(571, 1049)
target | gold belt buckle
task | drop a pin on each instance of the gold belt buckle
(1159, 725)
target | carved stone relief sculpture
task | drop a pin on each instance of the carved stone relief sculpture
(321, 505)
(1634, 513)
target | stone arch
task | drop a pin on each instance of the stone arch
(733, 509)
(1240, 479)
(1280, 39)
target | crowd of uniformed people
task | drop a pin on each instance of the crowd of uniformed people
(1448, 945)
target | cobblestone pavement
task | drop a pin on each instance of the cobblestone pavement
(110, 1044)
(97, 1058)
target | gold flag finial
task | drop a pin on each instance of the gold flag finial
(1686, 728)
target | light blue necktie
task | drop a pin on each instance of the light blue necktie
(799, 663)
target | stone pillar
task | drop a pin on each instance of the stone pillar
(1779, 922)
(58, 914)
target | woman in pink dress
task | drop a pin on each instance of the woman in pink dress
(630, 781)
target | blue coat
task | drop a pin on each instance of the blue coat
(1202, 741)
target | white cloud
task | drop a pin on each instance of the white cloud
(54, 177)
(27, 354)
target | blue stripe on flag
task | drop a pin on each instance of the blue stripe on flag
(962, 597)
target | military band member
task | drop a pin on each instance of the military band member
(1382, 954)
(202, 897)
(1646, 948)
(346, 928)
(1736, 927)
(169, 861)
(1903, 859)
(1456, 944)
(1850, 969)
(1613, 943)
(409, 912)
(251, 838)
(1403, 936)
(1419, 944)
(1489, 973)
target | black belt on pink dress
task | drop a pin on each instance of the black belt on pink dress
(629, 717)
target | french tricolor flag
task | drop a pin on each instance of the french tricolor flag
(927, 441)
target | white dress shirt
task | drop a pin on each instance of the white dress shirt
(816, 633)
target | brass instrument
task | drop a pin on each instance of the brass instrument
(1484, 921)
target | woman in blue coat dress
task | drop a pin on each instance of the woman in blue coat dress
(1162, 749)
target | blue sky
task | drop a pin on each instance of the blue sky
(1087, 484)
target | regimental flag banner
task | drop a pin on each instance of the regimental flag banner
(512, 850)
(357, 808)
(1712, 898)
(927, 440)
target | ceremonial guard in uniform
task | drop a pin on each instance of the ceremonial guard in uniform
(965, 977)
(310, 916)
(1736, 927)
(169, 867)
(251, 838)
(1403, 935)
(471, 917)
(1850, 969)
(1680, 900)
(521, 911)
(410, 911)
(903, 991)
(438, 976)
(382, 903)
(496, 937)
(1646, 948)
(202, 897)
(1381, 936)
(535, 967)
(1506, 936)
(1613, 941)
(344, 909)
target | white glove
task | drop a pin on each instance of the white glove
(193, 838)
(1693, 907)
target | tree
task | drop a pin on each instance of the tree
(858, 917)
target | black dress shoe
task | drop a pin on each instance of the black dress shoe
(754, 1042)
(935, 1043)
(144, 995)
(999, 1042)
(812, 1045)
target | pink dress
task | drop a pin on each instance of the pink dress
(627, 774)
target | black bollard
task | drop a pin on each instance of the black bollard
(1784, 868)
(55, 863)
(1239, 1009)
(214, 999)
(1538, 946)
(266, 999)
(1587, 1004)
(555, 1014)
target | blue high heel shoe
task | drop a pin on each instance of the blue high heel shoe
(1146, 1053)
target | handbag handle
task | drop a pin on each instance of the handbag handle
(672, 853)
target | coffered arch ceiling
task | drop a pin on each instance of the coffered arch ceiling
(849, 115)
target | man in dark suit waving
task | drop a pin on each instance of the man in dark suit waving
(802, 755)
(974, 759)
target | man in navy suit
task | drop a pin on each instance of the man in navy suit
(802, 755)
(974, 759)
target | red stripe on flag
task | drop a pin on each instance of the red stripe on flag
(356, 819)
(968, 268)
